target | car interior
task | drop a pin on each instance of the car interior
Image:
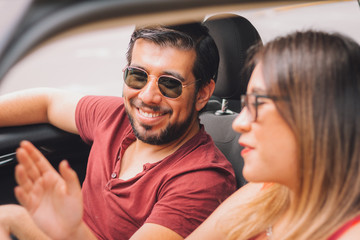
(233, 35)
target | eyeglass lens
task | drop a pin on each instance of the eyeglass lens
(137, 78)
(250, 102)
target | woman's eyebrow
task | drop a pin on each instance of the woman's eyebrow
(257, 90)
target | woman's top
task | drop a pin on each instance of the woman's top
(345, 227)
(337, 234)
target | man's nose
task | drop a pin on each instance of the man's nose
(150, 93)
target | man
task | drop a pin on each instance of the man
(153, 172)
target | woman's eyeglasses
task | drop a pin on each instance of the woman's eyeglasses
(169, 86)
(251, 101)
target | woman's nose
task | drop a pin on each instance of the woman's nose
(242, 122)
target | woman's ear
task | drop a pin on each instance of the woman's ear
(204, 95)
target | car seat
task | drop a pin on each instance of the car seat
(233, 35)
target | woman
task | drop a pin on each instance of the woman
(300, 130)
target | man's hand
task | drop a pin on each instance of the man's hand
(54, 201)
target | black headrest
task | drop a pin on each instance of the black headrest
(233, 36)
(226, 139)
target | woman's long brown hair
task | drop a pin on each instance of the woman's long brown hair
(317, 75)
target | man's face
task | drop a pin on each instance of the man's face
(155, 118)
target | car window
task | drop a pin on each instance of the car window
(334, 16)
(87, 59)
(90, 58)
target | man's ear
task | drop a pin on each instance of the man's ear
(204, 95)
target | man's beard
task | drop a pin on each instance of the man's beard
(167, 135)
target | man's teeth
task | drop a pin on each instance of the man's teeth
(151, 115)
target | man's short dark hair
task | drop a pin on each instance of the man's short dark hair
(185, 36)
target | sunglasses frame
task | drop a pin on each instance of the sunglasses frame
(157, 81)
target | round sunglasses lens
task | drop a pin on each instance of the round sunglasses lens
(170, 87)
(135, 78)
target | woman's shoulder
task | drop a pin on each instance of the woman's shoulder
(245, 193)
(352, 230)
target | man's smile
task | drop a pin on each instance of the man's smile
(150, 114)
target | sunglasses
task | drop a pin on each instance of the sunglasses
(169, 86)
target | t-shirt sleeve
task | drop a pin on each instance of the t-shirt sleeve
(186, 201)
(91, 111)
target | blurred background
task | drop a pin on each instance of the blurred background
(90, 58)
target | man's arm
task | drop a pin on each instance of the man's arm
(3, 234)
(16, 220)
(40, 105)
(150, 231)
(216, 226)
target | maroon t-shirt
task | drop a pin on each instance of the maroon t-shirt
(178, 192)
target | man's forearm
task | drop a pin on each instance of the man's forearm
(16, 220)
(40, 105)
(23, 107)
(26, 229)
